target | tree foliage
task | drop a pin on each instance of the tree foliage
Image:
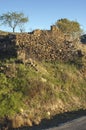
(69, 27)
(13, 19)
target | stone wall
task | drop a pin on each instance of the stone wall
(47, 45)
(7, 46)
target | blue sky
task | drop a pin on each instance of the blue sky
(44, 13)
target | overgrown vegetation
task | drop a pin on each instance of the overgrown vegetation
(69, 27)
(33, 90)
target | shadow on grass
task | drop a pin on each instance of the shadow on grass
(56, 120)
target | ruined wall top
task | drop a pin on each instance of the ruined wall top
(54, 28)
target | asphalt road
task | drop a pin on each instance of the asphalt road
(77, 124)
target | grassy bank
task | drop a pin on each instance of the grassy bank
(40, 92)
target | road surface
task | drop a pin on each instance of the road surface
(77, 124)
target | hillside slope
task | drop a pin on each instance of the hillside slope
(41, 74)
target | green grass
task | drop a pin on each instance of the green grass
(60, 84)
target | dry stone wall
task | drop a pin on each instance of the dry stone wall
(47, 45)
(7, 46)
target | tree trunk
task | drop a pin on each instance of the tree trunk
(13, 29)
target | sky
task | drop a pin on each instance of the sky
(44, 13)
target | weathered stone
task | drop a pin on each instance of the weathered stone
(27, 122)
(46, 45)
(17, 122)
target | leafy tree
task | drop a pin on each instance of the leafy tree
(13, 19)
(69, 27)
